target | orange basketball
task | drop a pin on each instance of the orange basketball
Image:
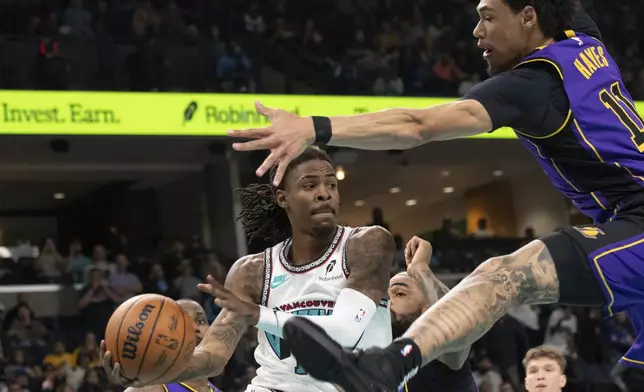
(151, 337)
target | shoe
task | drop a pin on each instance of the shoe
(324, 359)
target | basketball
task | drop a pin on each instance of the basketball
(151, 337)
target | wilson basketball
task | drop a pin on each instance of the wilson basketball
(151, 337)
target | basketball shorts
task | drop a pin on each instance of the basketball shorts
(603, 265)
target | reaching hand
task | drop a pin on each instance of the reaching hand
(114, 372)
(286, 138)
(418, 251)
(239, 311)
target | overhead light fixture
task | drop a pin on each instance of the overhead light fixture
(59, 196)
(394, 190)
(448, 189)
(445, 173)
(497, 173)
(411, 202)
(359, 203)
(340, 174)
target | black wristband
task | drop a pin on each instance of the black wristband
(322, 126)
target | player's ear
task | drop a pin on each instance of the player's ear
(563, 381)
(280, 197)
(529, 16)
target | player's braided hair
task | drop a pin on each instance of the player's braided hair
(554, 16)
(262, 218)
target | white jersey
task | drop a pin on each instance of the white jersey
(309, 289)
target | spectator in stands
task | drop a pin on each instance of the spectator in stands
(562, 330)
(88, 350)
(174, 257)
(254, 22)
(15, 387)
(124, 283)
(590, 346)
(378, 219)
(99, 262)
(91, 382)
(74, 375)
(145, 20)
(503, 345)
(157, 283)
(482, 229)
(487, 377)
(97, 301)
(26, 330)
(18, 365)
(50, 263)
(389, 83)
(186, 283)
(447, 231)
(77, 20)
(59, 356)
(103, 19)
(77, 262)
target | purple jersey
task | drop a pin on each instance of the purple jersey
(183, 387)
(595, 157)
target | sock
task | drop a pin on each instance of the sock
(407, 357)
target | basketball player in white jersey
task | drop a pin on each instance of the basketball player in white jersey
(334, 276)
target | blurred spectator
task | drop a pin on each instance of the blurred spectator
(91, 382)
(26, 330)
(377, 218)
(590, 347)
(447, 231)
(18, 365)
(78, 262)
(59, 357)
(97, 301)
(124, 283)
(88, 350)
(186, 283)
(173, 258)
(157, 282)
(50, 263)
(212, 266)
(389, 83)
(99, 262)
(487, 377)
(482, 229)
(75, 374)
(253, 21)
(77, 20)
(562, 330)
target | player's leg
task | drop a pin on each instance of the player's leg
(544, 271)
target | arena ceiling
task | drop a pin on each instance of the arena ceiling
(31, 172)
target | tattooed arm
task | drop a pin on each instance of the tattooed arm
(470, 309)
(210, 357)
(433, 290)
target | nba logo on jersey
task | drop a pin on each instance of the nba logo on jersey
(359, 316)
(406, 350)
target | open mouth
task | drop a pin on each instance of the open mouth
(487, 51)
(323, 210)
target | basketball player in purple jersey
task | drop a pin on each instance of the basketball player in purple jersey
(557, 86)
(198, 315)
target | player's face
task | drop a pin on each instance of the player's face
(407, 302)
(198, 316)
(503, 34)
(544, 375)
(311, 197)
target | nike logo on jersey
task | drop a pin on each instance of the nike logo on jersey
(279, 280)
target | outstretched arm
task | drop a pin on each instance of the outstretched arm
(470, 309)
(407, 128)
(370, 253)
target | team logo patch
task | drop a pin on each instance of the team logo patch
(590, 232)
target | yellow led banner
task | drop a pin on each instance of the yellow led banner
(174, 114)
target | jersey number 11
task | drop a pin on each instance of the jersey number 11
(626, 112)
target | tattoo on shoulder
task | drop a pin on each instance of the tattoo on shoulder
(370, 254)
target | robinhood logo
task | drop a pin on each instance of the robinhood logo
(214, 114)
